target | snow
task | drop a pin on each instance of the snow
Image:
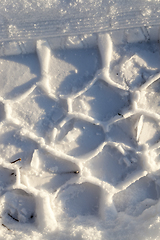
(21, 20)
(80, 113)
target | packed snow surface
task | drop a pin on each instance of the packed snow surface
(27, 19)
(81, 117)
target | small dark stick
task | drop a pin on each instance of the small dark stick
(13, 217)
(6, 227)
(19, 159)
(76, 172)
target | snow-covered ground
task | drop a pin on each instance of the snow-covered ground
(80, 114)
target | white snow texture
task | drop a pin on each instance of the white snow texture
(80, 126)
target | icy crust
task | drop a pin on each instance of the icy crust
(89, 154)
